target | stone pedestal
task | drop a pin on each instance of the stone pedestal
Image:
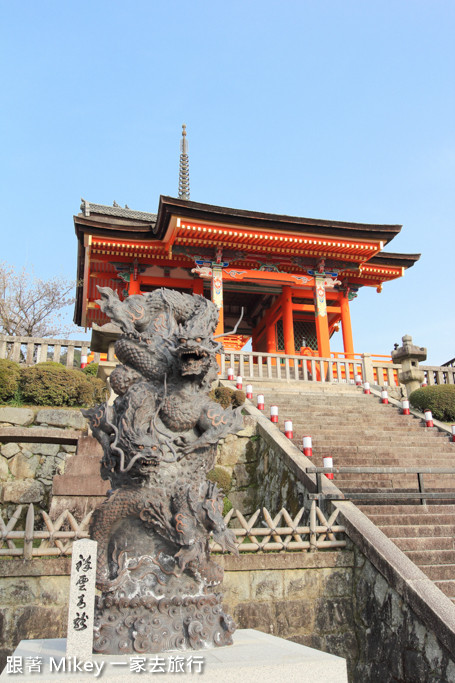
(80, 489)
(255, 657)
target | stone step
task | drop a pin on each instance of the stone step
(423, 530)
(425, 544)
(447, 587)
(443, 572)
(387, 519)
(382, 438)
(355, 460)
(411, 509)
(361, 431)
(431, 557)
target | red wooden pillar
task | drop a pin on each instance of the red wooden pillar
(320, 312)
(288, 321)
(271, 338)
(198, 286)
(134, 286)
(346, 327)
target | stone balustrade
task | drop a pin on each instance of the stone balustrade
(31, 350)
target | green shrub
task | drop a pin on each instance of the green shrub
(228, 397)
(9, 380)
(221, 478)
(51, 384)
(91, 369)
(227, 505)
(99, 388)
(440, 399)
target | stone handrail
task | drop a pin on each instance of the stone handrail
(31, 350)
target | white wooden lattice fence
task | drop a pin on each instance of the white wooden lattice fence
(279, 533)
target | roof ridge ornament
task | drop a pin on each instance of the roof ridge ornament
(85, 207)
(184, 168)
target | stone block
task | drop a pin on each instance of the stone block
(302, 583)
(267, 585)
(293, 616)
(43, 448)
(249, 426)
(17, 591)
(242, 476)
(333, 614)
(36, 621)
(243, 501)
(61, 418)
(4, 471)
(10, 449)
(236, 587)
(336, 582)
(68, 448)
(79, 484)
(17, 416)
(22, 491)
(24, 465)
(259, 615)
(88, 445)
(48, 469)
(230, 450)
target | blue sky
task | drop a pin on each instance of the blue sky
(334, 110)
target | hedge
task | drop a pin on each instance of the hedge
(440, 399)
(9, 380)
(49, 384)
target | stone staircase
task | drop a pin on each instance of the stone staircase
(357, 430)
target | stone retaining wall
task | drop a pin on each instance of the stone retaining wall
(27, 467)
(305, 597)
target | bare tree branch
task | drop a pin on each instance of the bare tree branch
(32, 307)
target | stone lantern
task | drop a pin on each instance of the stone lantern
(409, 356)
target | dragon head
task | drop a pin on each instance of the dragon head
(195, 347)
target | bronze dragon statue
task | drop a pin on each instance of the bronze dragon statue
(159, 438)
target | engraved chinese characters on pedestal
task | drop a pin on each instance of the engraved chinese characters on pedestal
(79, 639)
(159, 439)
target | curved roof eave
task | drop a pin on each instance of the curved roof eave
(169, 206)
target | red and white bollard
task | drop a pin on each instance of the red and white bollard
(274, 413)
(239, 384)
(453, 433)
(428, 419)
(384, 396)
(366, 388)
(307, 446)
(405, 406)
(328, 462)
(249, 391)
(231, 374)
(288, 429)
(358, 381)
(260, 405)
(83, 362)
(423, 385)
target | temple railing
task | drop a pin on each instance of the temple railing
(31, 350)
(444, 374)
(280, 533)
(344, 368)
(340, 367)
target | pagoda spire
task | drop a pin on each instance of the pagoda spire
(184, 169)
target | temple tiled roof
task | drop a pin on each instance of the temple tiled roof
(88, 208)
